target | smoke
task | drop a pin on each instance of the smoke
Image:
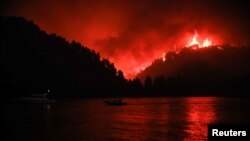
(134, 33)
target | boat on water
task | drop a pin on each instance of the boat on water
(115, 102)
(37, 98)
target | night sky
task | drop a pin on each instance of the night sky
(132, 33)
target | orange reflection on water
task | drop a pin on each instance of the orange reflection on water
(200, 113)
(166, 119)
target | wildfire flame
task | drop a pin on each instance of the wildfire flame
(195, 41)
(163, 57)
(206, 43)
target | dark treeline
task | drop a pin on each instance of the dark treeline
(216, 71)
(33, 61)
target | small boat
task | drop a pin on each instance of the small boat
(37, 98)
(115, 102)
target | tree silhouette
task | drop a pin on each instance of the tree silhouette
(216, 70)
(33, 61)
(148, 85)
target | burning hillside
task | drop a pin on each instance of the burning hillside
(207, 69)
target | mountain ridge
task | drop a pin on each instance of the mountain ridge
(215, 69)
(33, 61)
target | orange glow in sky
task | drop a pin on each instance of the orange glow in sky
(133, 34)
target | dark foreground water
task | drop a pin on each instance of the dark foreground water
(144, 119)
